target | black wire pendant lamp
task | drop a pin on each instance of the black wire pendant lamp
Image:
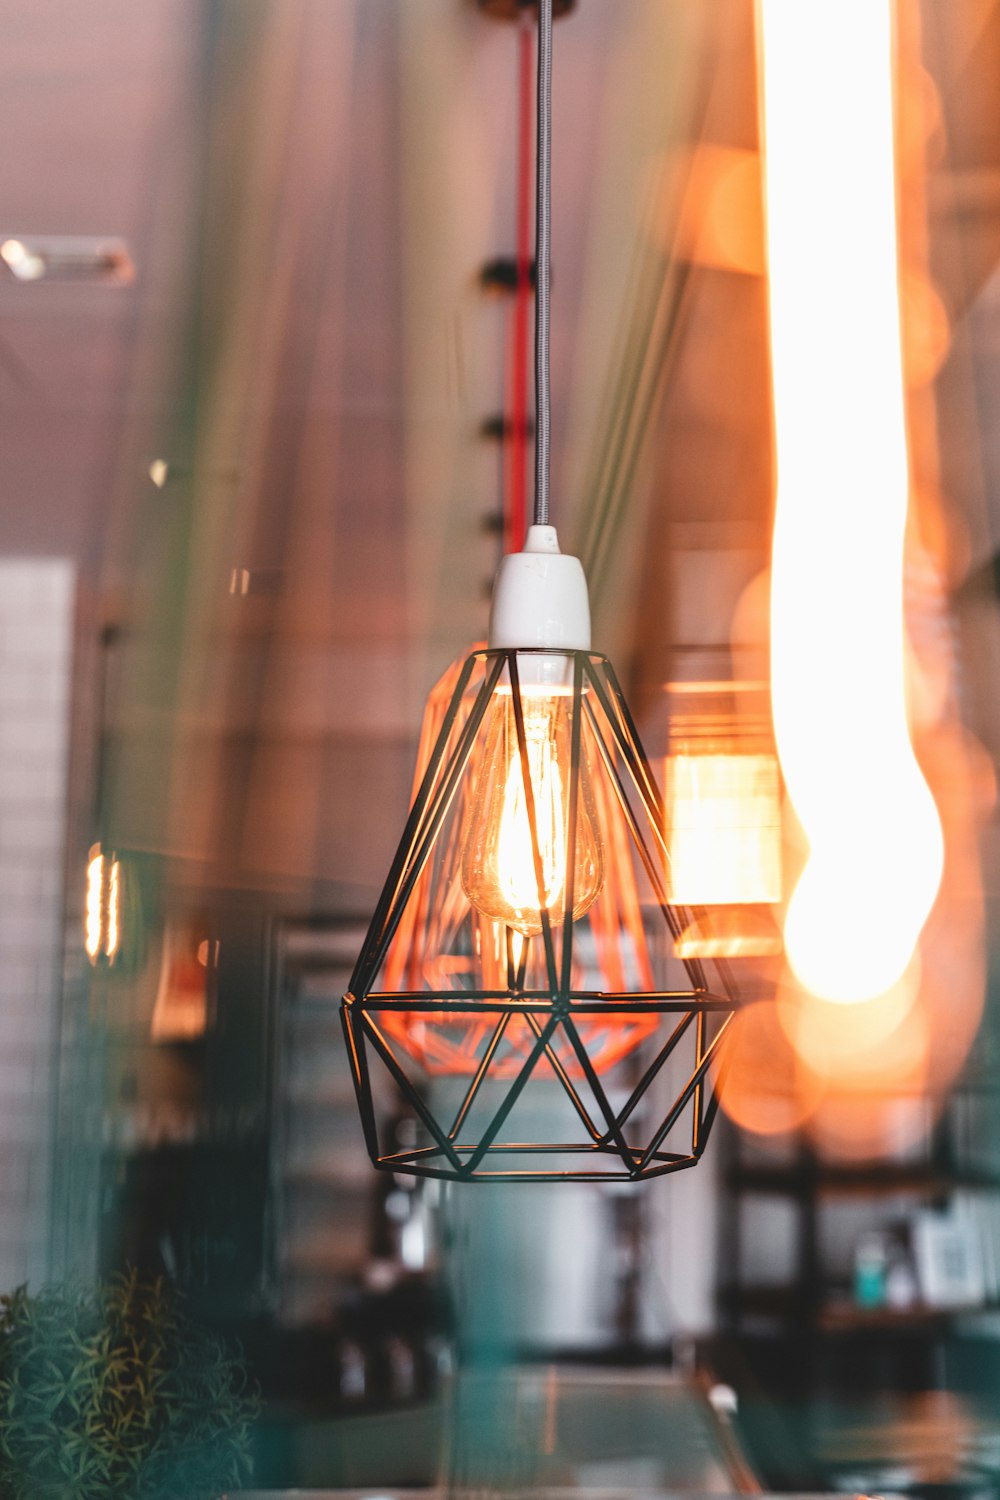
(536, 773)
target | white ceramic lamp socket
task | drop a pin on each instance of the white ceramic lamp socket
(540, 600)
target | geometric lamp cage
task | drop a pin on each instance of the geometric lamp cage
(440, 942)
(519, 981)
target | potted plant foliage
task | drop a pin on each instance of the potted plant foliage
(112, 1393)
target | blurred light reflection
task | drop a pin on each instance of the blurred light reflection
(722, 802)
(875, 846)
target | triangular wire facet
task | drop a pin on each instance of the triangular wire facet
(613, 1131)
(512, 1095)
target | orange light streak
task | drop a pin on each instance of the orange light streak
(838, 646)
(93, 912)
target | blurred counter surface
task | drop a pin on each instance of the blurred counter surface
(571, 1432)
(542, 1430)
(440, 1493)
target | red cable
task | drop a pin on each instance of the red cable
(517, 468)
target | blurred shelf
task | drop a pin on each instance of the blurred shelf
(786, 1304)
(878, 1181)
(834, 1318)
(338, 1254)
(334, 1096)
(353, 1176)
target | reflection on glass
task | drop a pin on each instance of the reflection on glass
(722, 801)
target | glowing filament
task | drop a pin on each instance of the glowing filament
(499, 874)
(516, 862)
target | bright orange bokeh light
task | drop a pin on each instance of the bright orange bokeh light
(767, 1090)
(844, 1044)
(875, 844)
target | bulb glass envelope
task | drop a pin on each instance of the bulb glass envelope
(442, 941)
(544, 1092)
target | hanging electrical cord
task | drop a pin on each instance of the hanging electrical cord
(543, 257)
(516, 506)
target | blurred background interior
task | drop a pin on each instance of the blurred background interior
(263, 442)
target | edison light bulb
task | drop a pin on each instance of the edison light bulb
(498, 864)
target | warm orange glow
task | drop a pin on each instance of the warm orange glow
(113, 936)
(498, 857)
(722, 818)
(444, 944)
(767, 1090)
(875, 846)
(102, 911)
(847, 1044)
(872, 1075)
(723, 829)
(720, 221)
(92, 915)
(729, 932)
(515, 857)
(926, 328)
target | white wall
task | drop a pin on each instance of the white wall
(36, 643)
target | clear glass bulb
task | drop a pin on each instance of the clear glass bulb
(498, 867)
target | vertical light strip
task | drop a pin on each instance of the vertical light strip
(113, 913)
(93, 919)
(838, 645)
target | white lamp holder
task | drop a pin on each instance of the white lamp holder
(540, 600)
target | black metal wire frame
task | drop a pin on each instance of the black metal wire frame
(611, 1150)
